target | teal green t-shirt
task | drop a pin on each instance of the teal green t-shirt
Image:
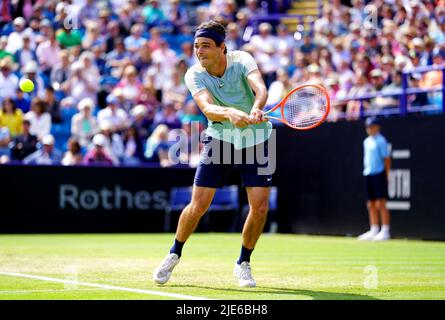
(231, 90)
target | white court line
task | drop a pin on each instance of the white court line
(104, 286)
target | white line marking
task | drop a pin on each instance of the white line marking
(401, 154)
(398, 205)
(104, 286)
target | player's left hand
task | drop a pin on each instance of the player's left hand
(256, 116)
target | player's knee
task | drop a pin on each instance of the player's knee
(260, 209)
(198, 208)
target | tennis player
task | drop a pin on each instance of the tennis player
(230, 91)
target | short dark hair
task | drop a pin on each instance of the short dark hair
(215, 26)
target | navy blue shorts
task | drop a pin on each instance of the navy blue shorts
(217, 161)
(376, 186)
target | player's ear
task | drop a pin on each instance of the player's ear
(223, 48)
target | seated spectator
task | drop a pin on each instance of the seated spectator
(48, 54)
(98, 153)
(46, 155)
(114, 115)
(141, 120)
(419, 99)
(73, 156)
(22, 100)
(114, 144)
(153, 15)
(39, 118)
(68, 37)
(279, 88)
(168, 117)
(30, 71)
(191, 113)
(5, 138)
(118, 58)
(174, 91)
(61, 71)
(135, 40)
(81, 84)
(129, 85)
(178, 17)
(11, 117)
(84, 124)
(8, 80)
(53, 105)
(134, 149)
(92, 36)
(26, 53)
(234, 40)
(156, 148)
(24, 144)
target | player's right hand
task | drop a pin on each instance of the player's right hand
(239, 118)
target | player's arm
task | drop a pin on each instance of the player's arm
(258, 86)
(214, 112)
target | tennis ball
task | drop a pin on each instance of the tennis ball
(26, 85)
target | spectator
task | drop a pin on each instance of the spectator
(154, 16)
(92, 36)
(118, 58)
(98, 153)
(135, 40)
(114, 145)
(8, 80)
(68, 37)
(48, 54)
(129, 85)
(376, 166)
(114, 115)
(233, 39)
(141, 121)
(168, 117)
(39, 118)
(61, 71)
(5, 138)
(89, 11)
(15, 39)
(53, 105)
(25, 54)
(22, 100)
(133, 147)
(3, 52)
(156, 149)
(84, 124)
(73, 156)
(30, 71)
(46, 155)
(174, 91)
(178, 17)
(24, 144)
(11, 117)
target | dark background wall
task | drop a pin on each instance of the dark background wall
(318, 177)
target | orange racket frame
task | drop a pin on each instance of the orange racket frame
(282, 104)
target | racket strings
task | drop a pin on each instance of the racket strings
(305, 107)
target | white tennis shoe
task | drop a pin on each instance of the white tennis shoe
(382, 236)
(163, 272)
(243, 273)
(367, 236)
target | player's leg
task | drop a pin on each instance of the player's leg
(373, 221)
(188, 221)
(253, 227)
(370, 191)
(384, 233)
(258, 206)
(382, 195)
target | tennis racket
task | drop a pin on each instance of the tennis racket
(304, 107)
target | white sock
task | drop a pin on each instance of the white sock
(385, 227)
(374, 228)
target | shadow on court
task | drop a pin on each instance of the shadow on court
(315, 295)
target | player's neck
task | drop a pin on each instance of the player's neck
(218, 69)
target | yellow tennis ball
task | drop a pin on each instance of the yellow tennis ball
(26, 85)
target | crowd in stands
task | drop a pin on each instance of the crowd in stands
(109, 75)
